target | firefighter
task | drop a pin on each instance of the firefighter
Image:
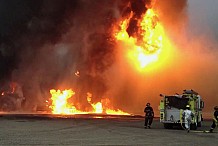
(215, 119)
(187, 116)
(149, 115)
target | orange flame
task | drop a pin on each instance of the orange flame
(59, 101)
(145, 48)
(60, 104)
(149, 45)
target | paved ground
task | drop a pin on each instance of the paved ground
(36, 130)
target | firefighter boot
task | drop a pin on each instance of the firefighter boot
(211, 130)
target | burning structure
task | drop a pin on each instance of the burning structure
(95, 56)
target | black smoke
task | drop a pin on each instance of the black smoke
(36, 20)
(44, 42)
(138, 8)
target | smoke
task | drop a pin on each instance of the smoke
(190, 65)
(172, 13)
(60, 38)
(138, 8)
(133, 89)
(195, 64)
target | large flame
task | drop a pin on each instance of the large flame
(60, 104)
(145, 47)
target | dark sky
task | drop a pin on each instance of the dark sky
(26, 18)
(14, 14)
(45, 41)
(14, 17)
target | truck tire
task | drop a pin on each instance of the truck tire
(193, 126)
(199, 124)
(168, 126)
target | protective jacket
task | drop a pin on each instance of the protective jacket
(187, 114)
(215, 116)
(149, 111)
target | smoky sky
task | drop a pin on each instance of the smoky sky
(28, 18)
(44, 43)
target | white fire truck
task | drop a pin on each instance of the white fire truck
(172, 106)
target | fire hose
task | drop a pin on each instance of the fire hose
(202, 131)
(181, 122)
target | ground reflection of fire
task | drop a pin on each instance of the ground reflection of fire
(60, 105)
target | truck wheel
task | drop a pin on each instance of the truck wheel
(199, 123)
(168, 126)
(193, 126)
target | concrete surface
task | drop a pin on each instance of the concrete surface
(27, 130)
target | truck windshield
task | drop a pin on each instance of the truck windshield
(176, 102)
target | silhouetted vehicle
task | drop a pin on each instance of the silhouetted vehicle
(10, 102)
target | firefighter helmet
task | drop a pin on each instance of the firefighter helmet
(148, 104)
(187, 106)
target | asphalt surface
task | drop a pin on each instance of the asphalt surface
(96, 130)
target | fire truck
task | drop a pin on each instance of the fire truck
(172, 107)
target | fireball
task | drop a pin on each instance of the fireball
(145, 46)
